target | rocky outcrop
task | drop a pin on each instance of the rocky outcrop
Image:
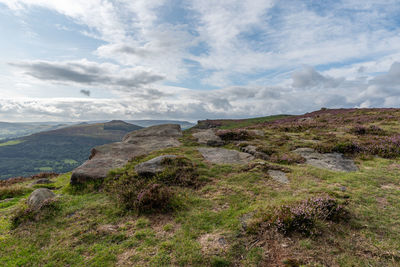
(39, 197)
(329, 161)
(116, 155)
(208, 137)
(225, 156)
(153, 166)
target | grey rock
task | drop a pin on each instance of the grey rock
(253, 151)
(208, 137)
(225, 156)
(115, 155)
(329, 161)
(39, 197)
(278, 176)
(153, 166)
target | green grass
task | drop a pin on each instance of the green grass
(210, 227)
(11, 143)
(234, 124)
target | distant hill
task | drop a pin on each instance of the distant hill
(59, 150)
(10, 130)
(146, 123)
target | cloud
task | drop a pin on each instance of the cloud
(84, 72)
(264, 56)
(312, 93)
(307, 77)
(85, 92)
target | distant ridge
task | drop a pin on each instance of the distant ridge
(59, 150)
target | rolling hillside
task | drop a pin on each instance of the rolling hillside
(58, 150)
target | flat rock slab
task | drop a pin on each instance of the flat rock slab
(38, 197)
(153, 166)
(115, 155)
(208, 137)
(225, 156)
(278, 176)
(329, 161)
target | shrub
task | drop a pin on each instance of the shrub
(301, 217)
(146, 194)
(362, 130)
(153, 197)
(178, 171)
(388, 147)
(346, 148)
(234, 135)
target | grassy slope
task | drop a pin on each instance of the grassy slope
(89, 230)
(59, 150)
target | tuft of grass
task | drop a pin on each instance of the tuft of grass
(25, 214)
(303, 216)
(13, 191)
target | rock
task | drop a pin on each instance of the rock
(208, 137)
(329, 161)
(39, 197)
(153, 166)
(253, 151)
(225, 156)
(278, 176)
(42, 181)
(115, 155)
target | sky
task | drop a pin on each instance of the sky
(76, 60)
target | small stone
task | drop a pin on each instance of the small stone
(153, 166)
(39, 197)
(343, 188)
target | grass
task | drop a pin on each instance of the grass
(210, 227)
(11, 143)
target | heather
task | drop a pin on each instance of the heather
(303, 216)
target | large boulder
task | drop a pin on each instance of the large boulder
(153, 166)
(116, 155)
(39, 197)
(208, 137)
(329, 161)
(225, 156)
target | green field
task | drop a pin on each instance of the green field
(11, 143)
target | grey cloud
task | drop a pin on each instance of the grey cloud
(389, 79)
(308, 77)
(88, 73)
(85, 92)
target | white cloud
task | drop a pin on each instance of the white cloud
(263, 45)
